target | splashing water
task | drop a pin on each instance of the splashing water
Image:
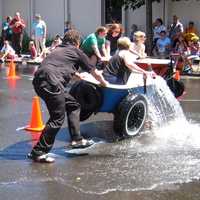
(171, 127)
(163, 106)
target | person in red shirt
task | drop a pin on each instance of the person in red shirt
(32, 50)
(17, 25)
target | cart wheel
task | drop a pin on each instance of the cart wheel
(89, 96)
(130, 115)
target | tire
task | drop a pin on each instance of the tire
(89, 96)
(130, 115)
(177, 87)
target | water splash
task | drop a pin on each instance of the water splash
(163, 106)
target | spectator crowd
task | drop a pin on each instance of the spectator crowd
(101, 45)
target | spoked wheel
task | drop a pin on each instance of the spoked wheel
(130, 115)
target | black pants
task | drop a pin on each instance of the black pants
(17, 42)
(58, 103)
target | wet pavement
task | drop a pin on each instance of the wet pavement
(163, 164)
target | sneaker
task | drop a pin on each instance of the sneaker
(42, 159)
(81, 143)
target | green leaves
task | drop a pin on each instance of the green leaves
(133, 4)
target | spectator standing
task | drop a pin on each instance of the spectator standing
(94, 45)
(191, 28)
(114, 33)
(39, 33)
(134, 28)
(176, 29)
(6, 30)
(190, 32)
(17, 25)
(68, 26)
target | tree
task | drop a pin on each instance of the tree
(133, 4)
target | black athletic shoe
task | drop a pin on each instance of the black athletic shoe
(41, 159)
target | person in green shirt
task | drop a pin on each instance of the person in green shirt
(94, 45)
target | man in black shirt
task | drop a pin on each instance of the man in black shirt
(49, 82)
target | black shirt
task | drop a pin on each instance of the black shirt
(116, 67)
(59, 66)
(113, 42)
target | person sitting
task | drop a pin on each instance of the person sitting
(94, 45)
(121, 64)
(195, 46)
(7, 52)
(163, 45)
(32, 50)
(183, 51)
(181, 45)
(138, 46)
(114, 33)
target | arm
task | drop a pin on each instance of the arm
(129, 62)
(21, 22)
(86, 66)
(96, 51)
(104, 50)
(98, 76)
(107, 46)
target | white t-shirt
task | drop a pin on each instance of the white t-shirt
(8, 50)
(139, 49)
(157, 30)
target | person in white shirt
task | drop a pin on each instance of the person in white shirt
(138, 47)
(7, 52)
(157, 28)
(39, 32)
(176, 29)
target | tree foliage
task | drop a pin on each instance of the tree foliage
(133, 4)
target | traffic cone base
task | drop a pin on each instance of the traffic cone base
(36, 123)
(11, 72)
(38, 129)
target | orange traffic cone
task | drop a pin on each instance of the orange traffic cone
(177, 75)
(11, 72)
(36, 123)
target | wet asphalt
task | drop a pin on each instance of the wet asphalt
(162, 164)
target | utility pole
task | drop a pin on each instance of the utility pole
(149, 31)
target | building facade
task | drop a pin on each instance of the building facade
(86, 15)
